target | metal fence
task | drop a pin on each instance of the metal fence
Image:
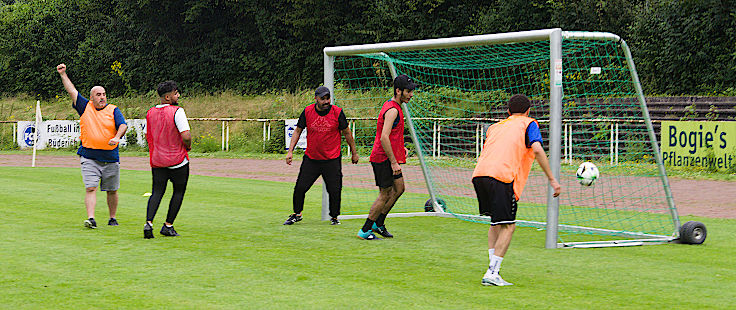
(445, 139)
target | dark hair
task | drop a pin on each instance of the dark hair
(166, 87)
(519, 104)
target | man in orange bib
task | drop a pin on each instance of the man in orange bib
(500, 175)
(101, 127)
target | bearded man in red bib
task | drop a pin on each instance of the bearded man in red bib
(325, 124)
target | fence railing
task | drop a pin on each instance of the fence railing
(440, 135)
(437, 132)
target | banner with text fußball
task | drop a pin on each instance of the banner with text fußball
(65, 133)
(699, 144)
(51, 133)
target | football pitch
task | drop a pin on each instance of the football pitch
(235, 254)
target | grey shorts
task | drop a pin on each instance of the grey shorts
(94, 173)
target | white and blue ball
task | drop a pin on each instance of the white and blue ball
(587, 173)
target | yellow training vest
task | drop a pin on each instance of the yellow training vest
(505, 156)
(97, 127)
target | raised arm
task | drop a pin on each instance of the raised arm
(67, 82)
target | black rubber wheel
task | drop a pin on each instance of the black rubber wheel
(693, 232)
(428, 207)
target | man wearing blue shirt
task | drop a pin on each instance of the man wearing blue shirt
(101, 127)
(500, 176)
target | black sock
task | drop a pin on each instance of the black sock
(381, 218)
(368, 226)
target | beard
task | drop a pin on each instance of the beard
(321, 106)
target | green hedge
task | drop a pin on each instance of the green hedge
(681, 47)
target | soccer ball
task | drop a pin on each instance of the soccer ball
(587, 173)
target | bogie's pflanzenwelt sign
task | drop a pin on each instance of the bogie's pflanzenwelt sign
(699, 144)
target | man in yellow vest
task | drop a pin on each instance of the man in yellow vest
(500, 175)
(101, 126)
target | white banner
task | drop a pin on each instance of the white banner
(139, 127)
(63, 133)
(290, 127)
(26, 134)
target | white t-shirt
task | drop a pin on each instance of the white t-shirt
(182, 124)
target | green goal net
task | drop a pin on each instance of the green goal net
(463, 89)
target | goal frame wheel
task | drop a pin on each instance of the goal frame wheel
(429, 206)
(693, 232)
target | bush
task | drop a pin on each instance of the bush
(277, 143)
(206, 144)
(711, 155)
(6, 137)
(131, 139)
(732, 168)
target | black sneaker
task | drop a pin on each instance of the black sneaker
(168, 231)
(381, 230)
(90, 223)
(334, 221)
(293, 218)
(112, 222)
(148, 231)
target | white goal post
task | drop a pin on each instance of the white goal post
(555, 38)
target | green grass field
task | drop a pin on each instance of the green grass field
(235, 254)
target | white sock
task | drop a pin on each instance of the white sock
(490, 253)
(495, 264)
(489, 273)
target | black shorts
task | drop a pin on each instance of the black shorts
(384, 174)
(496, 199)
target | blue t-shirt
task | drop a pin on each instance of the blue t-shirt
(533, 134)
(109, 156)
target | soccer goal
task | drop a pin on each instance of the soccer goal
(585, 94)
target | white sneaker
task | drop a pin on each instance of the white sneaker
(495, 280)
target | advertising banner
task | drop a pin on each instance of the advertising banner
(54, 134)
(65, 133)
(290, 127)
(702, 144)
